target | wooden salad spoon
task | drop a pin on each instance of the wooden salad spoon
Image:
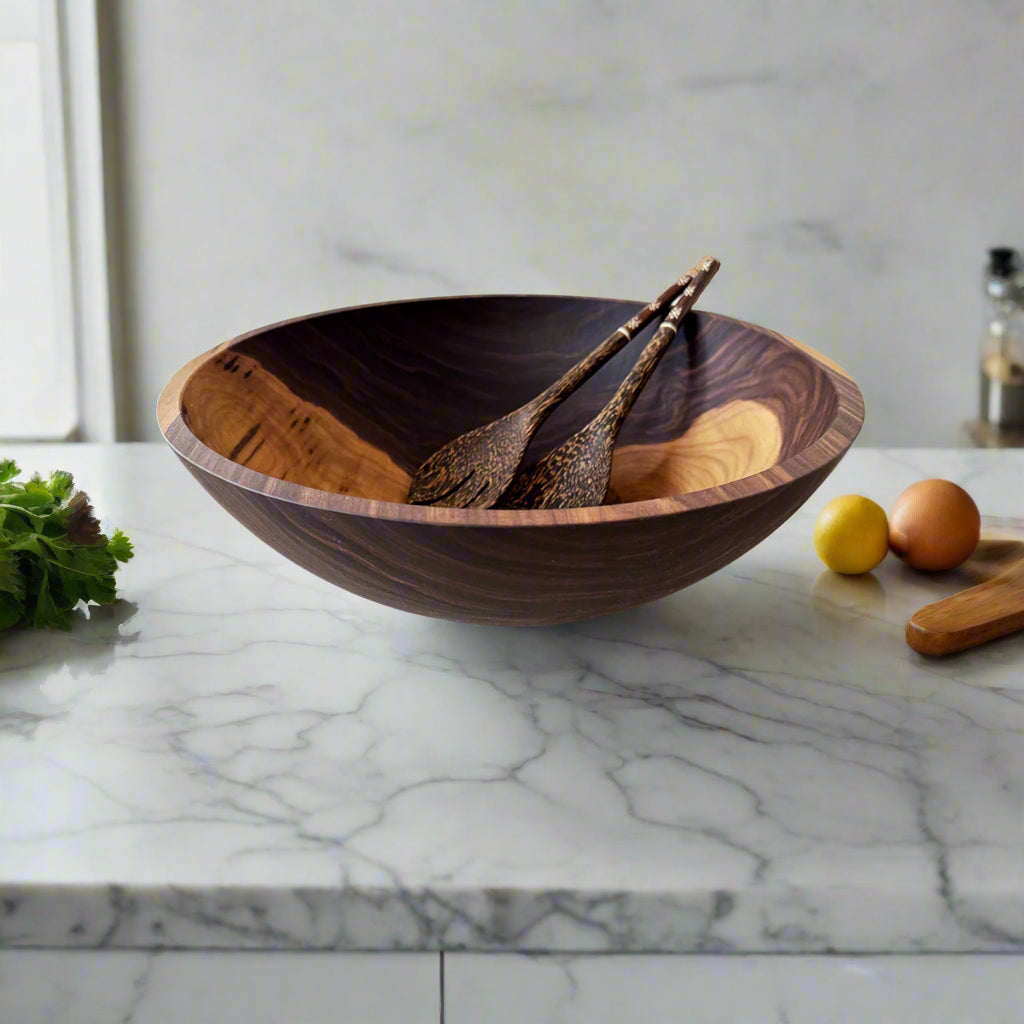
(990, 609)
(577, 473)
(474, 469)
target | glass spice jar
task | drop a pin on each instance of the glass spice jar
(1002, 343)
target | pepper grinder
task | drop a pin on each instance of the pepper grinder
(1002, 343)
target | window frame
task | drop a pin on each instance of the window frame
(66, 33)
(95, 318)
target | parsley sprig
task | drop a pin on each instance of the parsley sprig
(53, 553)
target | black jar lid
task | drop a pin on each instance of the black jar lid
(1003, 261)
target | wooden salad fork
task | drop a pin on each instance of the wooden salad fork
(577, 473)
(474, 469)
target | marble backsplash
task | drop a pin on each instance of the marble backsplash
(849, 163)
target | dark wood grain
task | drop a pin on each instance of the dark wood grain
(308, 432)
(474, 469)
(577, 473)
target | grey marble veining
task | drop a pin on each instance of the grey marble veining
(241, 756)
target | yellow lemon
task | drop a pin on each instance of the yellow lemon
(852, 534)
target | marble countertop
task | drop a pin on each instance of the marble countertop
(239, 755)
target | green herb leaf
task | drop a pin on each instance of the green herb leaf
(11, 610)
(11, 580)
(48, 611)
(53, 553)
(60, 484)
(120, 546)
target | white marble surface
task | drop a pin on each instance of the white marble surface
(128, 987)
(241, 756)
(733, 990)
(157, 987)
(849, 163)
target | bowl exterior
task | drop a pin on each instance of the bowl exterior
(513, 576)
(537, 567)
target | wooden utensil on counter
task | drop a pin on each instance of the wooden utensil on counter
(576, 474)
(992, 609)
(474, 469)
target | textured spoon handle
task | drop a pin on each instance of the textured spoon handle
(612, 415)
(590, 364)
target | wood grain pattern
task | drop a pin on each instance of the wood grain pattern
(576, 474)
(375, 382)
(250, 416)
(970, 618)
(992, 609)
(733, 441)
(474, 469)
(238, 417)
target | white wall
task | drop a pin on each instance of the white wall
(849, 162)
(37, 344)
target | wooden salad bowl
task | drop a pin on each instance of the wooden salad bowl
(308, 432)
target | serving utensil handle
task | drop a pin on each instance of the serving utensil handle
(970, 618)
(591, 363)
(613, 414)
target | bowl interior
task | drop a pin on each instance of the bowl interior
(353, 401)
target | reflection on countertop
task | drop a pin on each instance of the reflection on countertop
(246, 757)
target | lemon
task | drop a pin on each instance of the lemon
(852, 534)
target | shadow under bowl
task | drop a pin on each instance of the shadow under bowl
(308, 432)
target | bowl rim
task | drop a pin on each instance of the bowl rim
(824, 451)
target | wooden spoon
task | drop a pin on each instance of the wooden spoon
(981, 613)
(577, 473)
(474, 469)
